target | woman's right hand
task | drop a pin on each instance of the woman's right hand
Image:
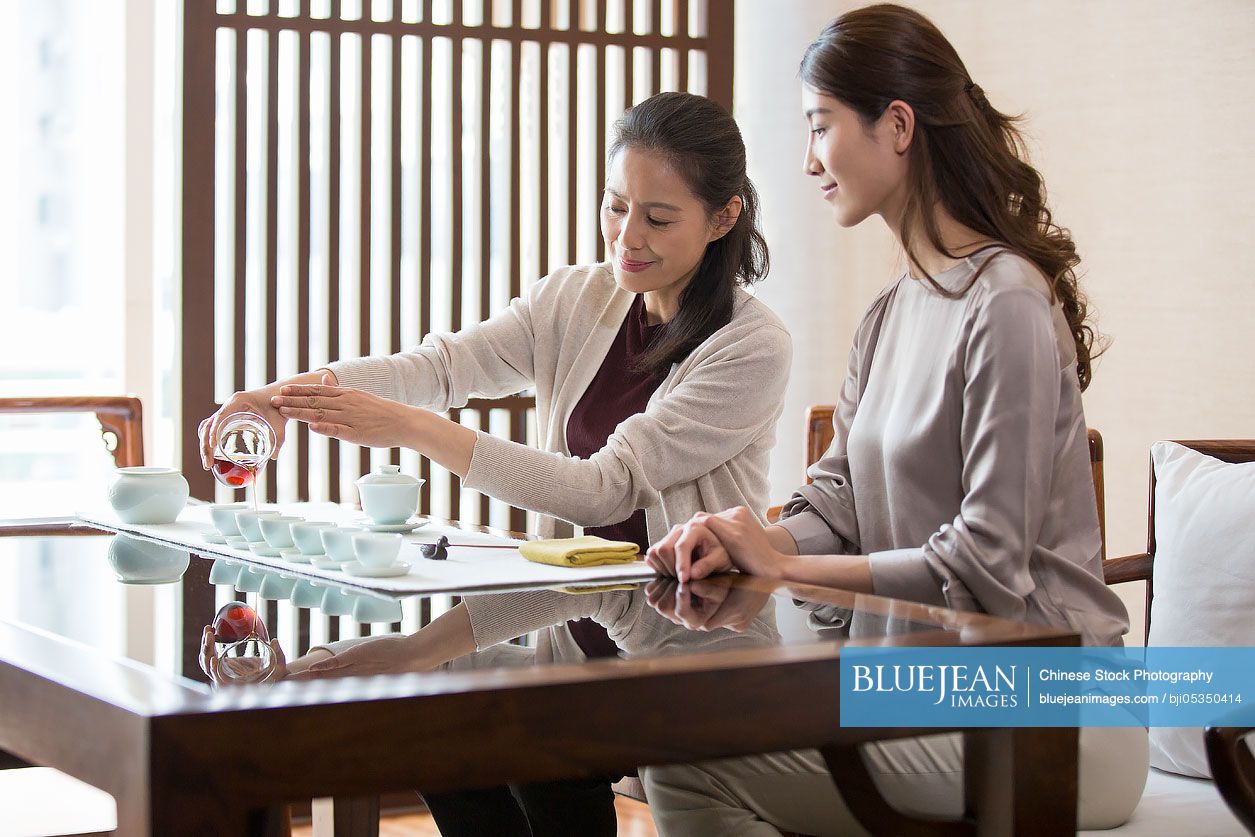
(689, 551)
(249, 401)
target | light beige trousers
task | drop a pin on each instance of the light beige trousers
(793, 791)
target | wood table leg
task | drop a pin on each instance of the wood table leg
(860, 794)
(175, 807)
(1022, 781)
(346, 816)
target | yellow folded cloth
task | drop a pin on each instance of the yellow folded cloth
(588, 551)
(581, 589)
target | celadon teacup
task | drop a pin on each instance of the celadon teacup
(223, 517)
(338, 543)
(277, 529)
(249, 526)
(376, 550)
(307, 535)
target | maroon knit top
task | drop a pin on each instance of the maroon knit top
(617, 392)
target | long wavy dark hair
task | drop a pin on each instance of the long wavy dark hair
(702, 142)
(966, 156)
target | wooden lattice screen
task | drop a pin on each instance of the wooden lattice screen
(354, 178)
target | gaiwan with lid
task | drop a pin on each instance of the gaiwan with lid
(388, 496)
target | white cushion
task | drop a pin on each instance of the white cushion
(1174, 805)
(1204, 584)
(39, 801)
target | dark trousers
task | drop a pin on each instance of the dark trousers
(567, 808)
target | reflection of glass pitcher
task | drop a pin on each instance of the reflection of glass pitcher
(244, 653)
(245, 443)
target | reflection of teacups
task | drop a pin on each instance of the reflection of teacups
(250, 580)
(276, 587)
(376, 609)
(335, 602)
(376, 550)
(339, 543)
(307, 594)
(223, 517)
(249, 526)
(137, 561)
(307, 536)
(277, 530)
(224, 572)
(388, 496)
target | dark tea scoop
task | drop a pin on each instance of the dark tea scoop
(437, 551)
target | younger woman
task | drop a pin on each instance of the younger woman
(958, 474)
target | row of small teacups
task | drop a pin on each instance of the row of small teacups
(275, 586)
(271, 534)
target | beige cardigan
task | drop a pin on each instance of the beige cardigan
(702, 443)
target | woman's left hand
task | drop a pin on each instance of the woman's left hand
(347, 414)
(745, 540)
(383, 655)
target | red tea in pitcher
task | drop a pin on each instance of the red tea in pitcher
(234, 474)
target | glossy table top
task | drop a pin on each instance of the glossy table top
(127, 640)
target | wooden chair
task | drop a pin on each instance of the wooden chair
(121, 428)
(1233, 764)
(1140, 567)
(819, 435)
(1228, 753)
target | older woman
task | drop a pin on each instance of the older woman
(658, 383)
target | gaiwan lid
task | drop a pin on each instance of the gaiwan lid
(387, 475)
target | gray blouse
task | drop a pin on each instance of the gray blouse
(960, 463)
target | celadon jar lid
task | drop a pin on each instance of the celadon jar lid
(387, 475)
(147, 471)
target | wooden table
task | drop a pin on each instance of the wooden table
(180, 757)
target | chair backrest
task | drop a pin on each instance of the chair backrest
(1141, 567)
(819, 435)
(121, 420)
(121, 427)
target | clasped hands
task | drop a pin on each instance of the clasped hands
(706, 605)
(714, 543)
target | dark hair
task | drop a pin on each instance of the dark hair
(966, 156)
(703, 145)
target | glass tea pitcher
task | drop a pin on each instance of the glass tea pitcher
(246, 442)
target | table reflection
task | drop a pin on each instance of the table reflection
(151, 602)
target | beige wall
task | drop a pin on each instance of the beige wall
(1142, 118)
